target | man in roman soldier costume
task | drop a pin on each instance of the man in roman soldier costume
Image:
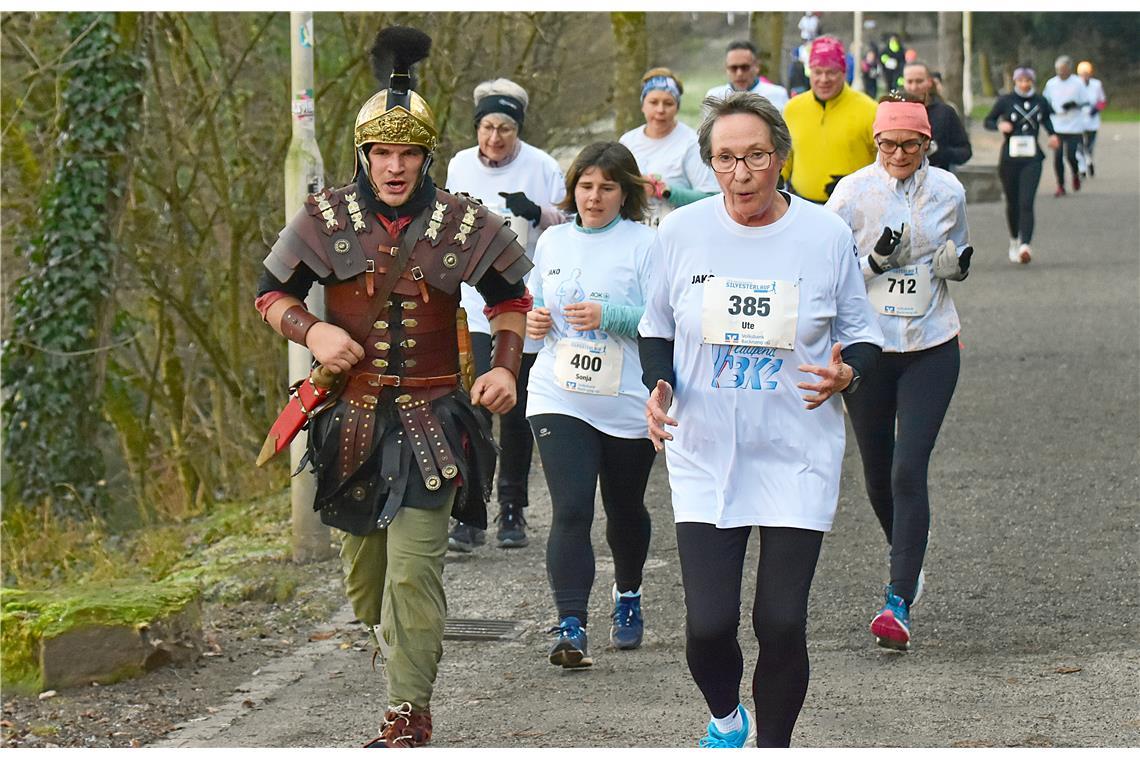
(401, 448)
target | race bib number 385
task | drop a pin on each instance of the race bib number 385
(739, 312)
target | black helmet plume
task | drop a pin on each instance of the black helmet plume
(393, 53)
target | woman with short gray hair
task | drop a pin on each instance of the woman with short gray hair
(756, 296)
(525, 184)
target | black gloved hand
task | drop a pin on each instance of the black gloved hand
(888, 241)
(519, 205)
(1069, 106)
(886, 253)
(829, 188)
(964, 260)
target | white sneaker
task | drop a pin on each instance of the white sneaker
(918, 587)
(1024, 254)
(1013, 254)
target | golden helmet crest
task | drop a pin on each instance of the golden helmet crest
(378, 122)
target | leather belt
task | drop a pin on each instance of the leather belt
(396, 381)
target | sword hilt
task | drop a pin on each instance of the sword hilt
(323, 377)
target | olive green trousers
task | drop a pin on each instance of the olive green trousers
(394, 579)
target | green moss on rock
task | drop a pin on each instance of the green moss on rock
(27, 618)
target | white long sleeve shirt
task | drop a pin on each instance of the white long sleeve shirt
(532, 172)
(1061, 91)
(746, 451)
(932, 204)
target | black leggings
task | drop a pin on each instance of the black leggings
(712, 565)
(515, 439)
(576, 457)
(1019, 180)
(1090, 141)
(1070, 143)
(913, 388)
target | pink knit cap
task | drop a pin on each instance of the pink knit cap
(828, 53)
(901, 115)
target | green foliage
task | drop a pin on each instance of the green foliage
(49, 362)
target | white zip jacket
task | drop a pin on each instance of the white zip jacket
(932, 204)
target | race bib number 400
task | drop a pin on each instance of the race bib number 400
(902, 292)
(588, 366)
(738, 312)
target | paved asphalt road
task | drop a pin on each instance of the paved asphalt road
(1027, 634)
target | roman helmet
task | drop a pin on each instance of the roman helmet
(397, 114)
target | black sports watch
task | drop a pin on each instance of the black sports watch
(854, 384)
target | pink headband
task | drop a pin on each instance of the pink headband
(901, 115)
(828, 53)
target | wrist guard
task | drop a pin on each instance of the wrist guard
(508, 351)
(296, 322)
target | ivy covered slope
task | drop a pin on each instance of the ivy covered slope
(239, 552)
(51, 366)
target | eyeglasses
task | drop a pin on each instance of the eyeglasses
(504, 130)
(757, 160)
(910, 147)
(740, 67)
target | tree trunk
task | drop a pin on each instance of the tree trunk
(632, 59)
(950, 55)
(766, 30)
(987, 75)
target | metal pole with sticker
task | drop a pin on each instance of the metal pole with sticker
(304, 174)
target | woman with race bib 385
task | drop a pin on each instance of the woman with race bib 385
(585, 397)
(757, 317)
(909, 220)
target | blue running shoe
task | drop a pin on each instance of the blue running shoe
(745, 736)
(892, 625)
(569, 649)
(628, 627)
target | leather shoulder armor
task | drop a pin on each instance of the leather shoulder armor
(322, 235)
(464, 238)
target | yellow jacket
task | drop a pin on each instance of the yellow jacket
(829, 140)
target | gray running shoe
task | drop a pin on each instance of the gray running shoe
(512, 527)
(464, 538)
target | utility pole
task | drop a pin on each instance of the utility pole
(857, 51)
(304, 174)
(967, 64)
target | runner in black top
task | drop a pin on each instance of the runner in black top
(1019, 115)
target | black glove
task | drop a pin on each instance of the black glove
(829, 188)
(1069, 106)
(519, 205)
(964, 260)
(888, 241)
(884, 256)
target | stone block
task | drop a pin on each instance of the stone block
(71, 637)
(981, 182)
(109, 653)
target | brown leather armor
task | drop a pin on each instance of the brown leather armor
(409, 336)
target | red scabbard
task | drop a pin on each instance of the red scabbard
(306, 399)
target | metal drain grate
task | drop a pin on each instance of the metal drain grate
(459, 629)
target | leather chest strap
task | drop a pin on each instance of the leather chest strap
(404, 248)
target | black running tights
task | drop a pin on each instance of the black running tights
(577, 457)
(1070, 144)
(514, 433)
(1019, 180)
(914, 389)
(712, 566)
